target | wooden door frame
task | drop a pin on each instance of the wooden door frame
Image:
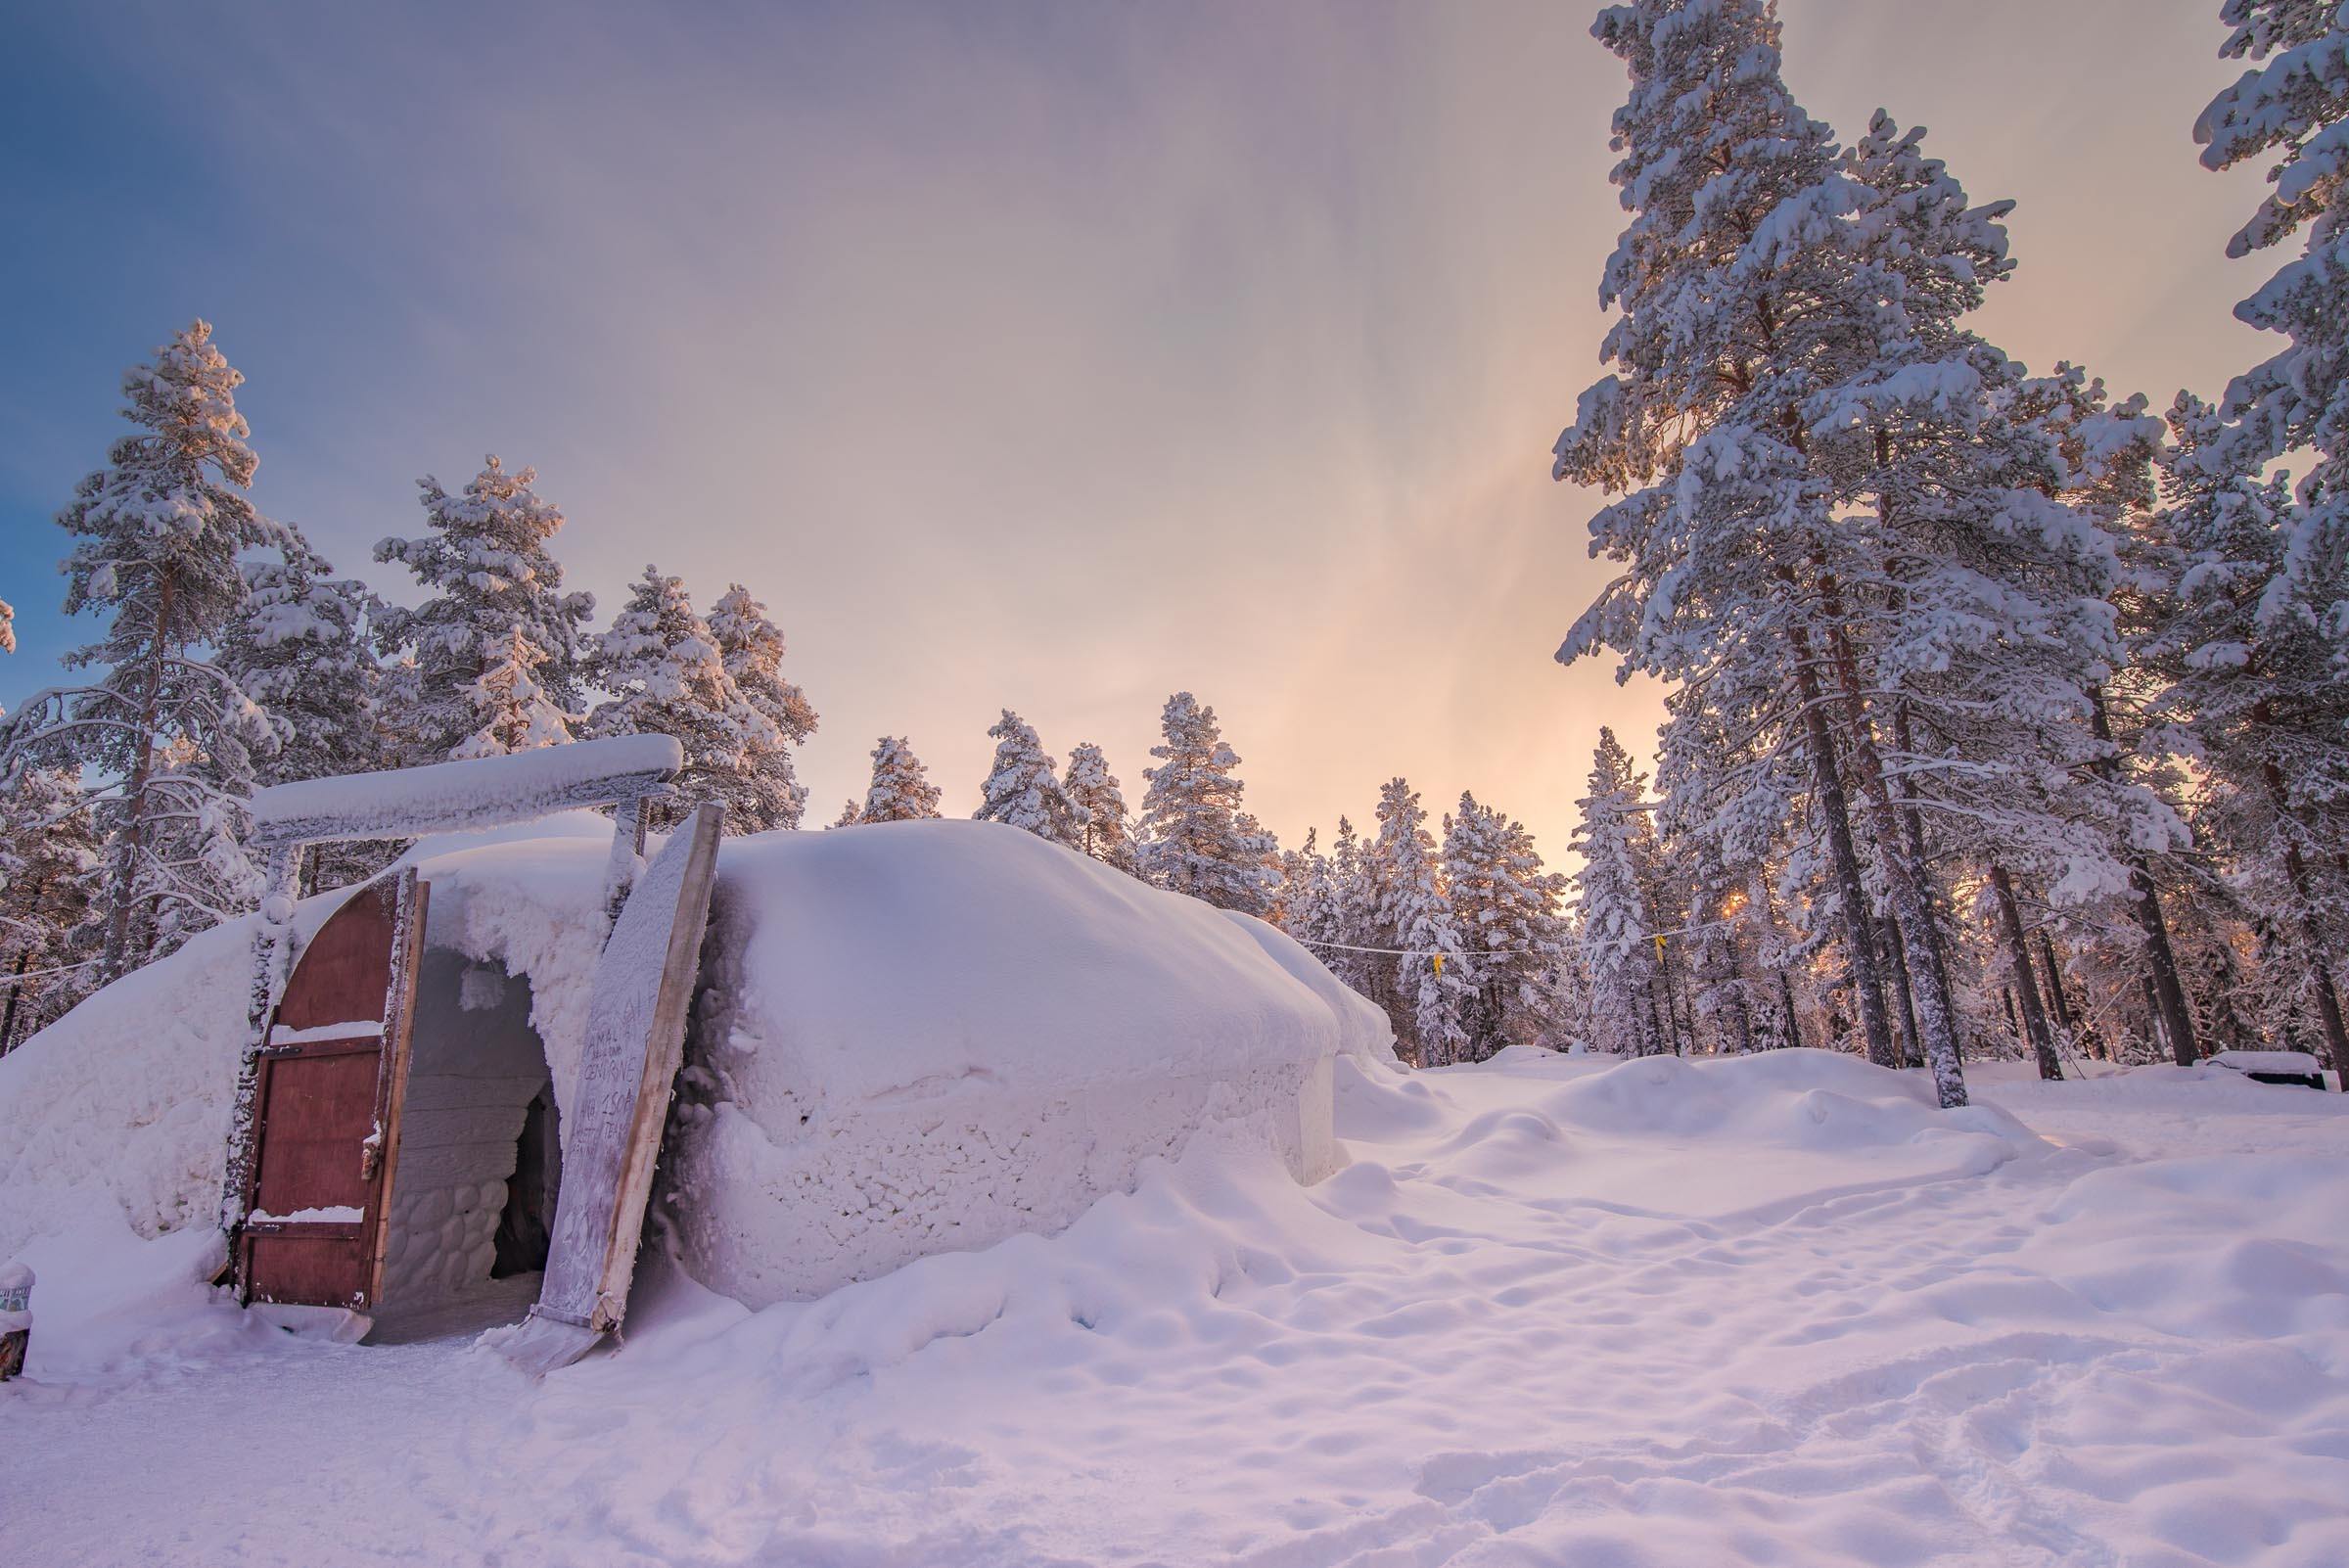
(289, 820)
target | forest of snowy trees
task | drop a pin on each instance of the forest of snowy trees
(1999, 708)
(2002, 716)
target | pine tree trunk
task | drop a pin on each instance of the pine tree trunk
(1896, 963)
(1741, 1015)
(2034, 1016)
(2295, 867)
(1835, 814)
(1676, 1009)
(122, 880)
(1912, 909)
(2144, 907)
(1794, 1024)
(2066, 1024)
(1912, 828)
(7, 1017)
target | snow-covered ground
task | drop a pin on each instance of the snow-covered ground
(1557, 1310)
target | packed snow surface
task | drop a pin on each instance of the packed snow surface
(1557, 1310)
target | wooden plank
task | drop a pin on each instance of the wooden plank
(444, 797)
(272, 959)
(639, 997)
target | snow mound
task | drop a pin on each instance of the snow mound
(1805, 1099)
(920, 1037)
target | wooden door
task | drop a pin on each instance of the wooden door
(333, 1070)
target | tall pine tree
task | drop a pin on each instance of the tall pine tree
(900, 790)
(1505, 908)
(769, 794)
(666, 674)
(1108, 833)
(497, 646)
(1614, 926)
(166, 734)
(1193, 837)
(1428, 980)
(1023, 790)
(301, 646)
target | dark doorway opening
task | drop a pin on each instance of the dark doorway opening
(528, 1223)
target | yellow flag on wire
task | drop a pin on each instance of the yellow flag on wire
(1438, 963)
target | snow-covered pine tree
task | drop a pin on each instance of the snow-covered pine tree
(1426, 989)
(2294, 106)
(661, 665)
(497, 646)
(166, 734)
(1263, 844)
(511, 710)
(769, 794)
(2253, 696)
(1192, 837)
(2291, 568)
(1023, 790)
(1108, 834)
(1731, 284)
(849, 814)
(1301, 902)
(900, 790)
(50, 861)
(1345, 923)
(301, 646)
(1613, 926)
(1505, 909)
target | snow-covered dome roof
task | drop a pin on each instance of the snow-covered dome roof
(899, 958)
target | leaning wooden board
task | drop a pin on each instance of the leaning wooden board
(637, 1002)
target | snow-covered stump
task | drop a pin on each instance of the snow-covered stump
(15, 1317)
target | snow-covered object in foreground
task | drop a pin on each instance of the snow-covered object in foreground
(15, 1298)
(489, 789)
(923, 1037)
(2272, 1065)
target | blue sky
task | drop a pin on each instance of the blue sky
(1049, 356)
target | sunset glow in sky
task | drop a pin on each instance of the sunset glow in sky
(1047, 357)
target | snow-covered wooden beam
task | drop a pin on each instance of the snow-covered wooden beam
(478, 793)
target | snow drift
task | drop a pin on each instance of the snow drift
(913, 1038)
(920, 1037)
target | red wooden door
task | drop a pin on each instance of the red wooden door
(333, 1071)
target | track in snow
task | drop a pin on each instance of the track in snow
(1557, 1311)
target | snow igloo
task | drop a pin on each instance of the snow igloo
(921, 1037)
(906, 1039)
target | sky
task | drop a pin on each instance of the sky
(1055, 358)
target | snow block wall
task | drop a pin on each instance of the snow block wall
(476, 1064)
(923, 1037)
